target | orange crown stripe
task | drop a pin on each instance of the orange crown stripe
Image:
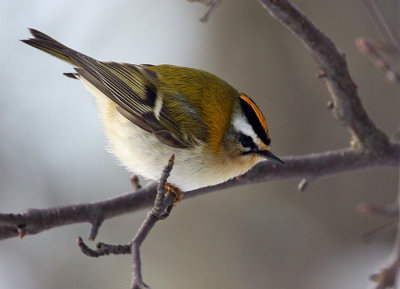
(257, 111)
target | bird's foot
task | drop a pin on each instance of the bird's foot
(174, 190)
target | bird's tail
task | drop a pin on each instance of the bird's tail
(47, 44)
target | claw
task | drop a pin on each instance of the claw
(174, 190)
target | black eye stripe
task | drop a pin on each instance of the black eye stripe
(246, 141)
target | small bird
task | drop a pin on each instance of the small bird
(150, 112)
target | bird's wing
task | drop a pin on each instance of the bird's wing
(135, 89)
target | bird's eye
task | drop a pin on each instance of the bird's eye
(246, 141)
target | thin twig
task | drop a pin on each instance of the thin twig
(135, 182)
(96, 220)
(103, 249)
(387, 277)
(377, 50)
(388, 227)
(372, 50)
(213, 4)
(390, 37)
(162, 206)
(391, 211)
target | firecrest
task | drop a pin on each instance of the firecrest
(150, 112)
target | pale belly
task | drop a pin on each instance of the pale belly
(143, 154)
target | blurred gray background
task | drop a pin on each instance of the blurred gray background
(260, 236)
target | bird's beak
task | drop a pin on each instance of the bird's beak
(267, 154)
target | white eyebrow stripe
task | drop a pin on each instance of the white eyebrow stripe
(241, 124)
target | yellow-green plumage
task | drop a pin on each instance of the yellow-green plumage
(150, 112)
(183, 90)
(205, 99)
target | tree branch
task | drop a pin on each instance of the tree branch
(346, 103)
(298, 167)
(370, 147)
(347, 106)
(161, 209)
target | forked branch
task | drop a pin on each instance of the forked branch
(161, 209)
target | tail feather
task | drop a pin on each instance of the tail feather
(71, 75)
(47, 44)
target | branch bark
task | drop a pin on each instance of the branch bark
(308, 167)
(161, 209)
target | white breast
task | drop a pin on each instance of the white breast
(143, 154)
